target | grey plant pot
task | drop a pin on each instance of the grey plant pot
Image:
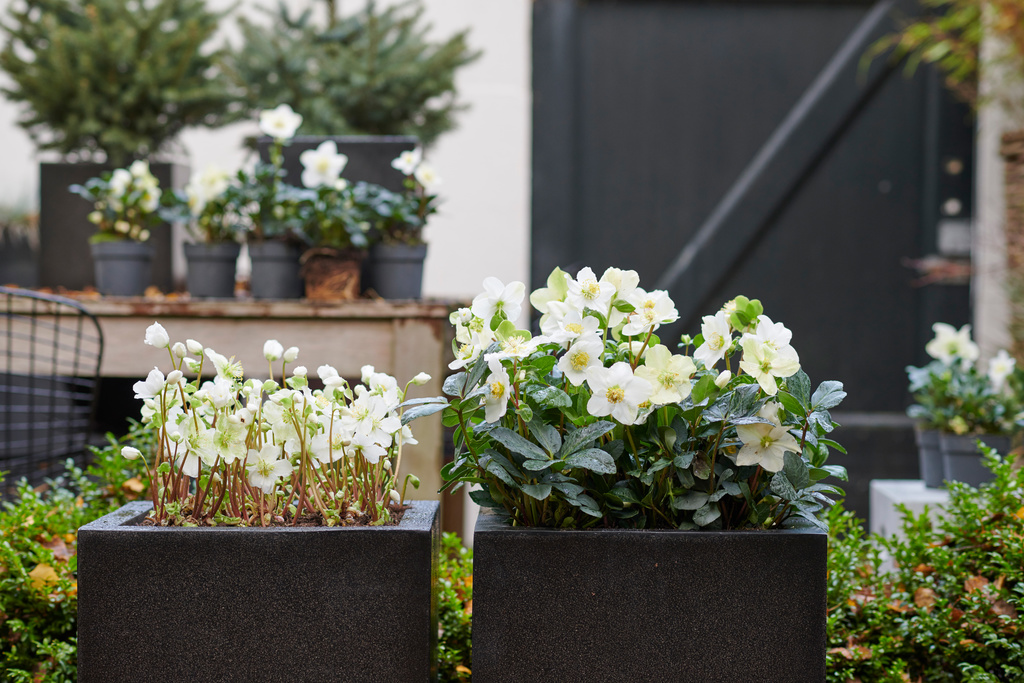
(122, 268)
(396, 270)
(211, 269)
(624, 605)
(961, 458)
(276, 604)
(275, 271)
(929, 456)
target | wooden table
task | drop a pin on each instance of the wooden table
(399, 338)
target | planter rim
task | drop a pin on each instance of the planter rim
(497, 523)
(419, 517)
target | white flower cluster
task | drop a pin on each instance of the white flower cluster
(131, 193)
(205, 186)
(227, 420)
(951, 346)
(411, 163)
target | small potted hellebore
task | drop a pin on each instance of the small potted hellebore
(268, 208)
(331, 266)
(956, 404)
(277, 538)
(126, 205)
(398, 252)
(212, 256)
(640, 489)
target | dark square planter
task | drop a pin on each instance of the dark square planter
(64, 229)
(277, 604)
(621, 605)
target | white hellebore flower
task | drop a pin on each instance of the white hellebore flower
(157, 336)
(498, 296)
(775, 336)
(179, 350)
(421, 379)
(272, 350)
(205, 186)
(669, 375)
(129, 453)
(194, 347)
(291, 354)
(408, 161)
(280, 123)
(265, 467)
(427, 177)
(323, 165)
(765, 444)
(583, 355)
(565, 324)
(364, 445)
(999, 368)
(516, 346)
(723, 379)
(120, 181)
(617, 392)
(625, 283)
(586, 292)
(951, 344)
(764, 364)
(717, 338)
(151, 387)
(498, 391)
(653, 309)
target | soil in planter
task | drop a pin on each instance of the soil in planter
(307, 519)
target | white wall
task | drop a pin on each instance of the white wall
(483, 226)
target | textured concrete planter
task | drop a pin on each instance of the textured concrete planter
(64, 229)
(961, 457)
(211, 269)
(123, 268)
(929, 456)
(277, 604)
(611, 605)
(396, 270)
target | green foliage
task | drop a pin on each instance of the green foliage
(952, 609)
(958, 398)
(113, 79)
(455, 610)
(373, 72)
(38, 562)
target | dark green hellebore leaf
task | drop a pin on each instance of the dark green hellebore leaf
(692, 500)
(518, 444)
(576, 440)
(799, 385)
(455, 384)
(548, 397)
(796, 471)
(593, 459)
(538, 491)
(781, 487)
(422, 411)
(706, 515)
(829, 394)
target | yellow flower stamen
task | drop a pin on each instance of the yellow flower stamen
(580, 360)
(615, 394)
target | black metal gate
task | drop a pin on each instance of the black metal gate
(724, 148)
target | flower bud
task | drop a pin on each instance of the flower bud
(129, 453)
(299, 371)
(365, 373)
(272, 350)
(95, 217)
(291, 355)
(421, 379)
(179, 350)
(173, 377)
(194, 347)
(396, 497)
(157, 336)
(723, 379)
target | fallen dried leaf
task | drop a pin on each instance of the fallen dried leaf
(841, 651)
(133, 487)
(974, 583)
(59, 549)
(463, 669)
(1004, 609)
(469, 607)
(956, 614)
(898, 606)
(967, 642)
(924, 569)
(1019, 514)
(925, 598)
(41, 575)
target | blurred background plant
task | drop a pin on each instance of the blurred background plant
(455, 610)
(373, 72)
(114, 80)
(38, 560)
(950, 608)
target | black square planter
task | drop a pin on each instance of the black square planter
(622, 605)
(276, 604)
(369, 156)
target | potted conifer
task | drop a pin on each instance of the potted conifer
(103, 83)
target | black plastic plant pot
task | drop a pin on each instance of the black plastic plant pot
(123, 268)
(253, 604)
(929, 456)
(396, 270)
(211, 269)
(962, 460)
(626, 605)
(275, 270)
